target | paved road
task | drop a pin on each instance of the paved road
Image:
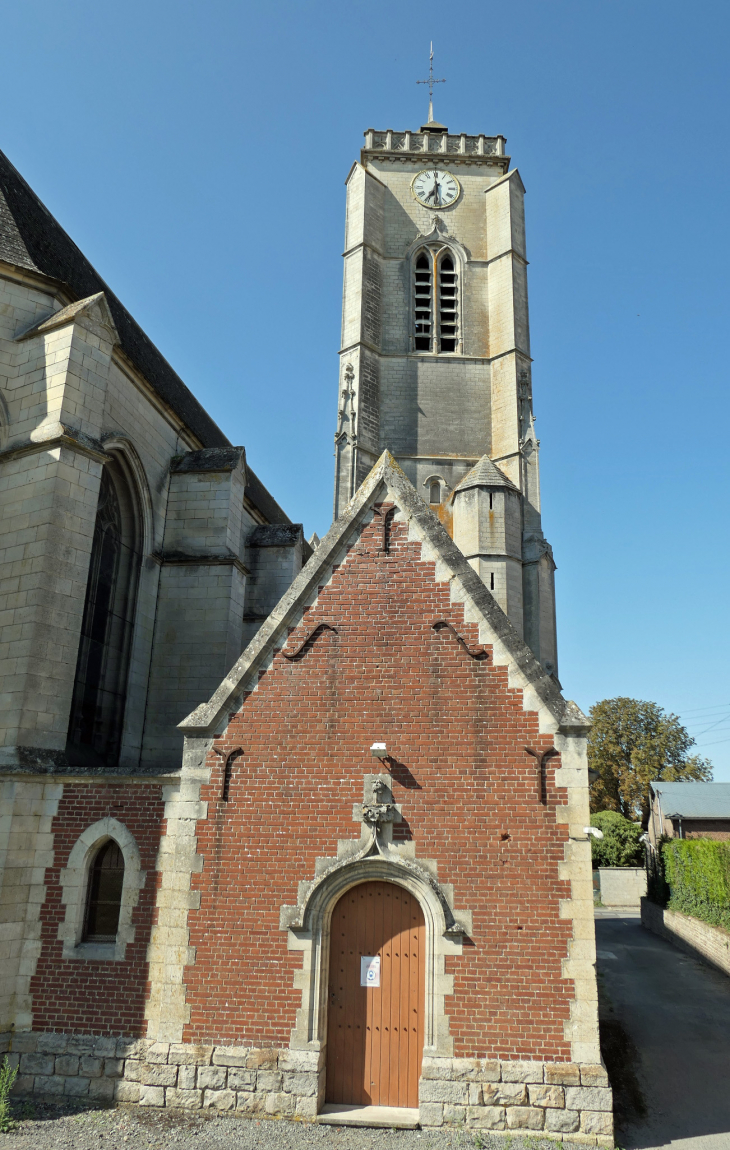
(675, 1010)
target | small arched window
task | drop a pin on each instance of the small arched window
(436, 302)
(434, 491)
(104, 894)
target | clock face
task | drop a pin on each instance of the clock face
(435, 188)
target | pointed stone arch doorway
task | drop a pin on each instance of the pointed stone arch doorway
(375, 1032)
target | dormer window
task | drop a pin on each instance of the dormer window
(435, 302)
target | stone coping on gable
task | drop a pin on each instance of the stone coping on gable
(559, 1100)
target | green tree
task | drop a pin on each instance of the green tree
(631, 743)
(620, 844)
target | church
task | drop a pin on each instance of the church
(288, 830)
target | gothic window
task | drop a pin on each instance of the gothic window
(436, 301)
(100, 683)
(104, 894)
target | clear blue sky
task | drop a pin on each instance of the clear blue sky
(196, 151)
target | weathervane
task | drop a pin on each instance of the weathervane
(430, 81)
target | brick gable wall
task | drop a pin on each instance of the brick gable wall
(105, 997)
(468, 790)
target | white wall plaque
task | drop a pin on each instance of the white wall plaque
(369, 970)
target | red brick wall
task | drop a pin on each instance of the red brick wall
(97, 997)
(469, 796)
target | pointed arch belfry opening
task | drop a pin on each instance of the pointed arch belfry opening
(102, 666)
(436, 303)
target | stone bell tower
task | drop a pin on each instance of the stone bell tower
(435, 363)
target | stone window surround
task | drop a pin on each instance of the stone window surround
(74, 880)
(435, 244)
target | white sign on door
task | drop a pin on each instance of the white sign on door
(369, 970)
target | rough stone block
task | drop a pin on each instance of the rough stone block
(132, 1048)
(151, 1096)
(219, 1100)
(588, 1098)
(102, 1088)
(150, 1075)
(67, 1064)
(184, 1099)
(490, 1117)
(188, 1054)
(50, 1084)
(490, 1071)
(593, 1076)
(113, 1067)
(268, 1081)
(300, 1084)
(231, 1056)
(454, 1115)
(239, 1079)
(158, 1052)
(249, 1103)
(24, 1042)
(186, 1077)
(562, 1074)
(81, 1043)
(90, 1066)
(307, 1107)
(76, 1087)
(504, 1094)
(431, 1114)
(262, 1059)
(105, 1047)
(455, 1092)
(23, 1084)
(282, 1104)
(523, 1071)
(126, 1091)
(546, 1096)
(52, 1043)
(596, 1122)
(211, 1077)
(301, 1061)
(562, 1121)
(37, 1064)
(525, 1118)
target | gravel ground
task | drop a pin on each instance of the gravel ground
(51, 1127)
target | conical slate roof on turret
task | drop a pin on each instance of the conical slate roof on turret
(485, 474)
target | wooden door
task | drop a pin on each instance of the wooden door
(375, 1033)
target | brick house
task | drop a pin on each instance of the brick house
(689, 811)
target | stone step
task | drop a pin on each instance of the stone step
(340, 1114)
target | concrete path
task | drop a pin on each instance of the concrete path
(667, 1019)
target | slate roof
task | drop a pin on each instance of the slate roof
(694, 800)
(31, 238)
(485, 474)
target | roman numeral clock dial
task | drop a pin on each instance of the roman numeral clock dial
(435, 188)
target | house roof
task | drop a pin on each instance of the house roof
(694, 800)
(32, 239)
(385, 483)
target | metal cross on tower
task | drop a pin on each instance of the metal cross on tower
(430, 81)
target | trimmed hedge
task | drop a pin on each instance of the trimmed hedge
(697, 874)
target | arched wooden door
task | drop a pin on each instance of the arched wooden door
(375, 1032)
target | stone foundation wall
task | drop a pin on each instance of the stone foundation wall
(558, 1099)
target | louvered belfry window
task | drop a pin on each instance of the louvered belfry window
(436, 302)
(104, 895)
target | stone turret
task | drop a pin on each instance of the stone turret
(487, 529)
